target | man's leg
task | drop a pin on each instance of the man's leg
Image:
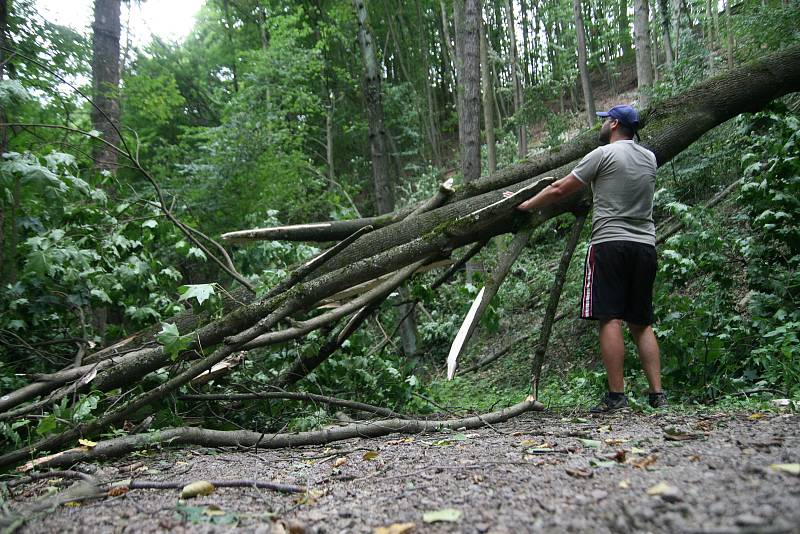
(612, 347)
(645, 340)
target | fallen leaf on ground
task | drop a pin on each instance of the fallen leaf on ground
(602, 463)
(616, 441)
(637, 450)
(370, 455)
(624, 484)
(117, 491)
(213, 510)
(580, 473)
(87, 443)
(592, 443)
(340, 462)
(449, 515)
(195, 489)
(694, 458)
(644, 462)
(459, 437)
(792, 469)
(619, 456)
(660, 488)
(756, 416)
(395, 528)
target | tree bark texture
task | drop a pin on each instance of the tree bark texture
(644, 62)
(105, 80)
(586, 83)
(488, 115)
(384, 194)
(470, 88)
(663, 12)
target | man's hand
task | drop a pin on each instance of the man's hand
(509, 194)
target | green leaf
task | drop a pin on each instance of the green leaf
(46, 425)
(591, 443)
(171, 339)
(150, 223)
(101, 295)
(201, 292)
(448, 515)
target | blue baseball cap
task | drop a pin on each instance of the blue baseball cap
(624, 114)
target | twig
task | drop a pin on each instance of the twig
(260, 484)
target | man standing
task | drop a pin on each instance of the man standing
(621, 260)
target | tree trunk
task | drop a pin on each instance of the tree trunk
(526, 54)
(585, 82)
(663, 11)
(105, 81)
(470, 88)
(624, 28)
(384, 194)
(729, 28)
(3, 132)
(522, 134)
(488, 116)
(644, 65)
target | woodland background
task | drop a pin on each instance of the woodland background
(263, 116)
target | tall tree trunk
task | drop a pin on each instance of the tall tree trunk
(585, 82)
(729, 28)
(624, 28)
(384, 194)
(449, 49)
(676, 27)
(105, 80)
(526, 54)
(430, 118)
(644, 65)
(488, 116)
(329, 137)
(470, 88)
(522, 134)
(663, 11)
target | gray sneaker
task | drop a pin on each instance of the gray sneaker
(609, 404)
(658, 400)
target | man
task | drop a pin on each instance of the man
(621, 260)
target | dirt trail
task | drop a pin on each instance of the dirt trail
(538, 473)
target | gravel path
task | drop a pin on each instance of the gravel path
(538, 473)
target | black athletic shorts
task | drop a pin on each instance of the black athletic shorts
(618, 282)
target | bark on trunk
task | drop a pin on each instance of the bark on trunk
(384, 194)
(488, 116)
(105, 80)
(470, 88)
(644, 65)
(664, 17)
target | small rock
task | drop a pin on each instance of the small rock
(599, 495)
(749, 520)
(671, 494)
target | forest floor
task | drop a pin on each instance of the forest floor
(542, 472)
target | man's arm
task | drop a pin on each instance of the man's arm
(550, 194)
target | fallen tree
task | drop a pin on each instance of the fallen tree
(391, 249)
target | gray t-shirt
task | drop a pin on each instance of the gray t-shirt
(623, 177)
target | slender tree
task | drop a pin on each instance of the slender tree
(729, 28)
(488, 116)
(586, 83)
(644, 65)
(384, 194)
(663, 12)
(522, 134)
(105, 80)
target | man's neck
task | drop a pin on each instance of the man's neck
(615, 138)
